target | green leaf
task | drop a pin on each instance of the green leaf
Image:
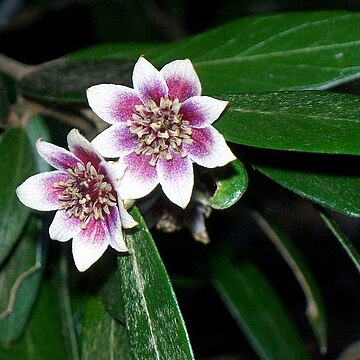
(154, 323)
(315, 309)
(341, 237)
(43, 337)
(36, 128)
(257, 309)
(295, 50)
(231, 183)
(16, 164)
(310, 121)
(102, 336)
(332, 181)
(20, 279)
(64, 81)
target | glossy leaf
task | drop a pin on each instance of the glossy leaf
(154, 323)
(43, 337)
(16, 164)
(315, 309)
(294, 50)
(332, 181)
(102, 337)
(65, 81)
(257, 309)
(36, 128)
(231, 183)
(20, 279)
(310, 121)
(341, 237)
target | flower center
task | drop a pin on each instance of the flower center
(85, 195)
(161, 130)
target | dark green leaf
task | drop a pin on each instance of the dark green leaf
(36, 129)
(16, 164)
(231, 184)
(102, 336)
(311, 121)
(315, 310)
(154, 323)
(20, 278)
(257, 309)
(43, 337)
(332, 181)
(295, 50)
(65, 81)
(341, 237)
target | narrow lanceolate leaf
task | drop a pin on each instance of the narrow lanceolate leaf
(43, 336)
(231, 184)
(16, 164)
(258, 310)
(36, 128)
(341, 237)
(64, 81)
(154, 323)
(102, 337)
(315, 309)
(295, 50)
(20, 279)
(311, 121)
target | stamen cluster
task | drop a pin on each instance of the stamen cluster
(85, 194)
(160, 128)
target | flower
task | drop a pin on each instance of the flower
(85, 192)
(159, 128)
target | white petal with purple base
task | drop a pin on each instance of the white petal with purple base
(63, 227)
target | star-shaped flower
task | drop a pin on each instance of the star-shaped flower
(85, 192)
(159, 128)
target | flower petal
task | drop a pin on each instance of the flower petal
(202, 111)
(113, 103)
(209, 148)
(115, 141)
(115, 235)
(38, 192)
(63, 227)
(127, 221)
(56, 156)
(140, 178)
(148, 81)
(181, 79)
(176, 177)
(82, 148)
(89, 244)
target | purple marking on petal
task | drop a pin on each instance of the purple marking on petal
(148, 81)
(176, 178)
(113, 103)
(116, 239)
(140, 177)
(209, 148)
(56, 156)
(83, 149)
(63, 227)
(38, 192)
(202, 111)
(181, 79)
(116, 141)
(89, 244)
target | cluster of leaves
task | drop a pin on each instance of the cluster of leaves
(281, 121)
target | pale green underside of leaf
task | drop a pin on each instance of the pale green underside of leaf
(154, 323)
(16, 164)
(306, 121)
(257, 309)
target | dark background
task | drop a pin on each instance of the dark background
(37, 31)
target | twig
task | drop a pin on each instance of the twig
(13, 67)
